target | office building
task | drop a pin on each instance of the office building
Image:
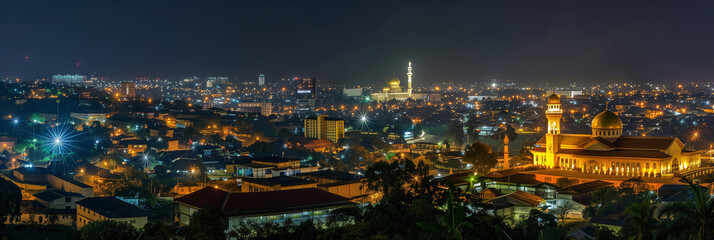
(128, 90)
(263, 108)
(305, 88)
(212, 82)
(324, 127)
(69, 79)
(261, 79)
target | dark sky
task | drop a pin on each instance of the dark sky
(362, 41)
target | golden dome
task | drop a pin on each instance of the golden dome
(554, 99)
(394, 82)
(607, 120)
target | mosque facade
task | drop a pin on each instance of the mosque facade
(606, 151)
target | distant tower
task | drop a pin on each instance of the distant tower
(261, 79)
(409, 78)
(506, 164)
(552, 137)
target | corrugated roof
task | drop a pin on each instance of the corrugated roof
(111, 207)
(515, 199)
(51, 195)
(263, 202)
(281, 180)
(586, 187)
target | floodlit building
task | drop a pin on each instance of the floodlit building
(128, 90)
(606, 151)
(394, 90)
(324, 127)
(261, 79)
(69, 79)
(264, 108)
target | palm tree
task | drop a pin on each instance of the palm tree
(639, 221)
(451, 225)
(690, 219)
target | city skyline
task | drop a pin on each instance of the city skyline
(345, 42)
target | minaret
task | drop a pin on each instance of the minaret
(552, 137)
(409, 78)
(506, 164)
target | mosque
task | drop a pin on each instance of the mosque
(394, 90)
(606, 151)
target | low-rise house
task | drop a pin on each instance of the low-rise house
(582, 193)
(56, 199)
(515, 206)
(275, 184)
(273, 206)
(34, 212)
(341, 183)
(267, 167)
(109, 208)
(37, 179)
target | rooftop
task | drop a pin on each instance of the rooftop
(51, 195)
(333, 175)
(282, 181)
(112, 207)
(275, 159)
(255, 203)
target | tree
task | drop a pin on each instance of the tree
(561, 211)
(472, 131)
(451, 225)
(108, 230)
(207, 224)
(455, 133)
(693, 219)
(604, 233)
(145, 196)
(509, 131)
(401, 181)
(416, 131)
(531, 227)
(634, 185)
(480, 156)
(160, 170)
(156, 231)
(565, 182)
(10, 200)
(639, 221)
(354, 155)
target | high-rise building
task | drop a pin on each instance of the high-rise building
(265, 108)
(216, 81)
(261, 79)
(69, 79)
(128, 90)
(305, 88)
(324, 127)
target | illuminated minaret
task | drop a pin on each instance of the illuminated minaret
(552, 138)
(409, 78)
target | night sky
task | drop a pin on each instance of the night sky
(362, 41)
